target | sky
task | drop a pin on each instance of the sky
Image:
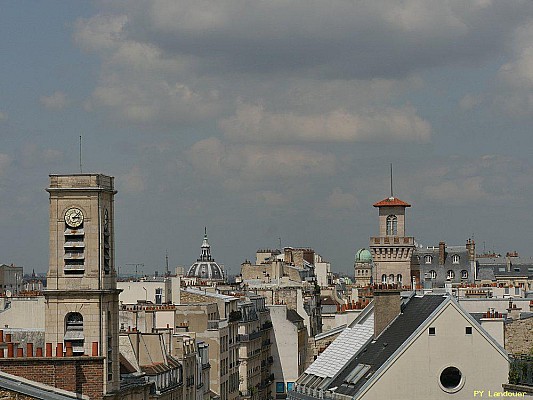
(269, 122)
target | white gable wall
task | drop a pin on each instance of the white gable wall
(415, 373)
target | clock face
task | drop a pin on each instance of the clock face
(74, 217)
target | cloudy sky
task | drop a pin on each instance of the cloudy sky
(269, 119)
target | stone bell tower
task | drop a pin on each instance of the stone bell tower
(392, 250)
(81, 296)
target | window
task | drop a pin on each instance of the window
(383, 278)
(455, 259)
(391, 278)
(74, 332)
(464, 274)
(428, 259)
(159, 296)
(399, 278)
(433, 274)
(392, 225)
(517, 290)
(468, 330)
(432, 331)
(450, 274)
(451, 379)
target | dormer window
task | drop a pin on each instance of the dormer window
(428, 259)
(450, 274)
(433, 274)
(392, 225)
(455, 259)
(464, 274)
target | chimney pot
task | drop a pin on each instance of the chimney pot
(10, 350)
(48, 349)
(95, 349)
(59, 350)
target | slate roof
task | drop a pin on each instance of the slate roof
(391, 202)
(377, 352)
(293, 316)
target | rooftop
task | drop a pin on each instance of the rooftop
(392, 202)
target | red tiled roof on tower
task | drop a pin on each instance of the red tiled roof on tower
(392, 202)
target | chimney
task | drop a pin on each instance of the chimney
(387, 306)
(494, 327)
(471, 248)
(442, 253)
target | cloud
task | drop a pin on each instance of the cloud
(252, 123)
(31, 155)
(470, 101)
(340, 200)
(56, 101)
(341, 39)
(5, 163)
(514, 90)
(249, 163)
(133, 180)
(489, 179)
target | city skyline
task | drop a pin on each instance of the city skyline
(268, 121)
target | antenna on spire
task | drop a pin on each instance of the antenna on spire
(166, 259)
(205, 230)
(81, 170)
(391, 192)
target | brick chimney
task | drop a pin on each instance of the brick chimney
(387, 306)
(442, 253)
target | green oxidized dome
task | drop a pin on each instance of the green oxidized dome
(363, 255)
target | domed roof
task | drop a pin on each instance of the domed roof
(205, 267)
(363, 255)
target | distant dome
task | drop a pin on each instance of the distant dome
(205, 267)
(363, 256)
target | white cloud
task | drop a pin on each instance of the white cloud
(56, 101)
(253, 123)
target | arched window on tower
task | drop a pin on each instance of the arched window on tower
(399, 279)
(74, 332)
(391, 278)
(392, 225)
(383, 278)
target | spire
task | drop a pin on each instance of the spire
(206, 249)
(391, 192)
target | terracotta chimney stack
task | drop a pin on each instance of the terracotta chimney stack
(48, 349)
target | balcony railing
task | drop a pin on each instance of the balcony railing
(386, 240)
(521, 370)
(250, 336)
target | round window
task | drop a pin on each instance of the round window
(451, 379)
